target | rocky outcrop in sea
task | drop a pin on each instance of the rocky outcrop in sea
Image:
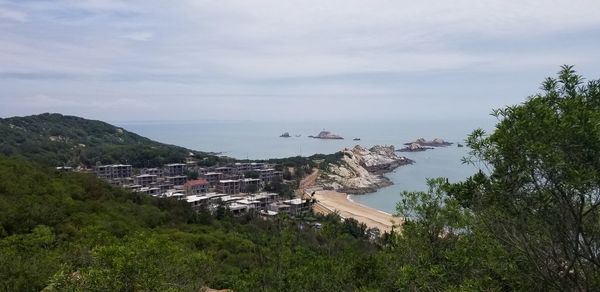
(361, 170)
(285, 135)
(437, 142)
(414, 147)
(326, 135)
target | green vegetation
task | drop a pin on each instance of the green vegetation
(59, 140)
(74, 232)
(529, 221)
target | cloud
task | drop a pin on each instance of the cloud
(12, 15)
(140, 36)
(49, 102)
(143, 52)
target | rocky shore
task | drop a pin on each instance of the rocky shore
(361, 170)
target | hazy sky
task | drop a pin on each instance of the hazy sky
(286, 60)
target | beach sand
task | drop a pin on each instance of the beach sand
(332, 201)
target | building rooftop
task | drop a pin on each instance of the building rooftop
(175, 164)
(296, 201)
(229, 180)
(269, 212)
(235, 206)
(196, 182)
(247, 202)
(195, 198)
(145, 175)
(230, 198)
(115, 165)
(212, 173)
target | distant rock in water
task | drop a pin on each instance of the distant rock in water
(437, 142)
(414, 147)
(326, 135)
(459, 145)
(285, 135)
(356, 139)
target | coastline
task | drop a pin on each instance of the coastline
(349, 198)
(332, 202)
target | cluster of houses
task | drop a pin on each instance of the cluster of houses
(224, 185)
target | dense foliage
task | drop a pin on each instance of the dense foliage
(59, 140)
(72, 231)
(541, 196)
(530, 220)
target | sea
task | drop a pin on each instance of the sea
(260, 140)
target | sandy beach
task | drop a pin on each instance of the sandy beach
(332, 201)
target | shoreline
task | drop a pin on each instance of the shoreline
(348, 197)
(333, 201)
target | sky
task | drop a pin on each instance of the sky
(274, 60)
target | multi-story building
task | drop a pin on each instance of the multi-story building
(175, 169)
(250, 185)
(229, 186)
(149, 191)
(197, 201)
(298, 206)
(196, 187)
(242, 167)
(264, 199)
(177, 180)
(152, 171)
(226, 170)
(113, 171)
(269, 175)
(257, 165)
(145, 179)
(213, 178)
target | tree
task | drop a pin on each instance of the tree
(541, 193)
(192, 174)
(251, 174)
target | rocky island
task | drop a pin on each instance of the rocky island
(437, 142)
(285, 135)
(361, 170)
(414, 147)
(327, 135)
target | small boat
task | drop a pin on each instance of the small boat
(356, 139)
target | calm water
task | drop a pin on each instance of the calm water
(260, 140)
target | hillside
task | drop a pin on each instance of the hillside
(72, 232)
(56, 139)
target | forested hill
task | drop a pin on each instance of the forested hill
(58, 140)
(70, 231)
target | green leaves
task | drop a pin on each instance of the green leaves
(540, 199)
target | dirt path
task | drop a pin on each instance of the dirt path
(309, 180)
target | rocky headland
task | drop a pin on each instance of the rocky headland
(361, 170)
(326, 135)
(437, 142)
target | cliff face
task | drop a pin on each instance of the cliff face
(360, 170)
